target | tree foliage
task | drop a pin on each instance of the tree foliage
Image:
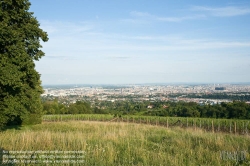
(20, 85)
(80, 107)
(231, 110)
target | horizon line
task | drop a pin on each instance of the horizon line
(78, 84)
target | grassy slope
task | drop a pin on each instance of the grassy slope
(127, 144)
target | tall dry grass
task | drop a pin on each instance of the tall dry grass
(127, 144)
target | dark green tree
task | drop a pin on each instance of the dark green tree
(20, 85)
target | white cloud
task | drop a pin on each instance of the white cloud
(224, 11)
(60, 27)
(179, 19)
(141, 17)
(140, 14)
(229, 11)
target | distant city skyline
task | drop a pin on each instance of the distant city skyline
(137, 42)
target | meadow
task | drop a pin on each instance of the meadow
(122, 143)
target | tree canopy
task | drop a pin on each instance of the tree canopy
(20, 85)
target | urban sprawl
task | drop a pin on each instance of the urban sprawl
(147, 92)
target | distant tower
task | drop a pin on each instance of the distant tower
(121, 90)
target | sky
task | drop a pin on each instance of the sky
(144, 41)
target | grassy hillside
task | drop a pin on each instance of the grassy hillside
(107, 143)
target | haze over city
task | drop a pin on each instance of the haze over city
(130, 42)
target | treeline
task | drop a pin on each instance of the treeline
(54, 107)
(233, 110)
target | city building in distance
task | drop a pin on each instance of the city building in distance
(203, 93)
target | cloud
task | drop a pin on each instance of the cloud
(68, 28)
(228, 11)
(144, 17)
(139, 18)
(134, 21)
(179, 19)
(140, 14)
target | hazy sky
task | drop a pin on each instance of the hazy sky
(144, 41)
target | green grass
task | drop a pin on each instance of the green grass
(106, 143)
